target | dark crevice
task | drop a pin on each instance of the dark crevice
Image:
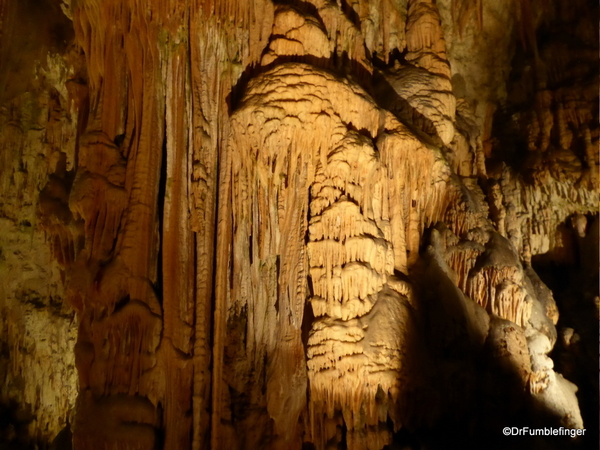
(395, 57)
(419, 125)
(162, 193)
(250, 249)
(118, 140)
(362, 131)
(307, 320)
(277, 273)
(350, 13)
(121, 304)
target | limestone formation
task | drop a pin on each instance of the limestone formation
(293, 225)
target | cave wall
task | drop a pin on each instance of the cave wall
(38, 140)
(290, 224)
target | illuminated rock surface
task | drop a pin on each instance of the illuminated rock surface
(297, 224)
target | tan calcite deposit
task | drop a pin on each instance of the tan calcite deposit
(37, 328)
(287, 225)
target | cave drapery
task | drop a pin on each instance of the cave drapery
(298, 224)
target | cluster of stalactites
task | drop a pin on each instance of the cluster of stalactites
(531, 215)
(322, 32)
(357, 350)
(351, 258)
(486, 265)
(349, 254)
(361, 368)
(500, 290)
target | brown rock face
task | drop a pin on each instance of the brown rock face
(301, 225)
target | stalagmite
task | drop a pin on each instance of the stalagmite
(295, 225)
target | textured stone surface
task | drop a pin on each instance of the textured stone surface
(293, 225)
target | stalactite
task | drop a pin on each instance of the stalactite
(292, 224)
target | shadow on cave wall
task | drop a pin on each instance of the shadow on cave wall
(573, 277)
(14, 433)
(30, 29)
(478, 395)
